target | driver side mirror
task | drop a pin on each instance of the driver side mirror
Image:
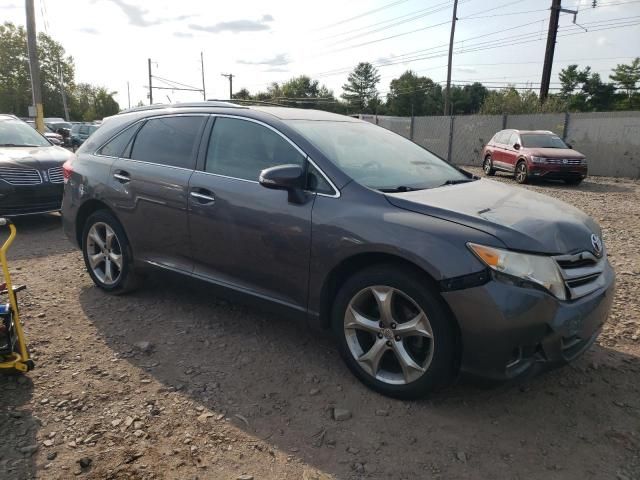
(285, 177)
(569, 146)
(516, 146)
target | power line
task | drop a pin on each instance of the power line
(415, 12)
(364, 14)
(429, 11)
(495, 8)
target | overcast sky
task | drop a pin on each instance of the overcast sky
(261, 41)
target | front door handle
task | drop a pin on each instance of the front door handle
(203, 197)
(122, 176)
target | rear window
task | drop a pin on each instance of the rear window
(170, 141)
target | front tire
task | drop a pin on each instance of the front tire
(107, 253)
(522, 172)
(487, 167)
(394, 333)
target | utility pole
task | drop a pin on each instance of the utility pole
(34, 65)
(128, 95)
(556, 9)
(453, 32)
(150, 84)
(62, 91)
(230, 77)
(551, 46)
(204, 92)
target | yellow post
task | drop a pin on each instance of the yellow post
(22, 347)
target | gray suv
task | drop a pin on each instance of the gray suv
(422, 270)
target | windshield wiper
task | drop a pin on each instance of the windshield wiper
(401, 188)
(456, 182)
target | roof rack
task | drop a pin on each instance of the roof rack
(208, 103)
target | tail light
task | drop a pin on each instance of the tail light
(67, 168)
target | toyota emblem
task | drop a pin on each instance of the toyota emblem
(596, 242)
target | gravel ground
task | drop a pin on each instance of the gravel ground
(174, 382)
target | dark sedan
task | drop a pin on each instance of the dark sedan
(31, 179)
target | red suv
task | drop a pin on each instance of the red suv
(530, 154)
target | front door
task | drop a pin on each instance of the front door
(243, 235)
(150, 188)
(510, 154)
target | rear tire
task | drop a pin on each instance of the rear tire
(522, 172)
(394, 332)
(487, 167)
(107, 254)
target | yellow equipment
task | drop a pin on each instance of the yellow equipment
(14, 355)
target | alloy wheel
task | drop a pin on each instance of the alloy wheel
(487, 166)
(389, 335)
(521, 173)
(104, 253)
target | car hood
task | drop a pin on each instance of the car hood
(521, 219)
(35, 157)
(554, 153)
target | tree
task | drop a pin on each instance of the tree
(15, 82)
(360, 88)
(301, 92)
(242, 94)
(584, 90)
(511, 101)
(468, 99)
(627, 77)
(410, 94)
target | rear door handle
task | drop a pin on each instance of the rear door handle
(122, 176)
(203, 197)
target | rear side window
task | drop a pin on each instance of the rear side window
(503, 137)
(115, 146)
(170, 141)
(242, 149)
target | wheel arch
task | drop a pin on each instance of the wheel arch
(353, 264)
(87, 208)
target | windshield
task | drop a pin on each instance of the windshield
(16, 133)
(378, 158)
(541, 140)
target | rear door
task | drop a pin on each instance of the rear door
(243, 235)
(510, 153)
(150, 188)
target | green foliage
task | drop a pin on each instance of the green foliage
(627, 78)
(85, 102)
(511, 101)
(360, 90)
(300, 92)
(410, 94)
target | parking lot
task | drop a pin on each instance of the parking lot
(174, 382)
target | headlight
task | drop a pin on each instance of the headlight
(583, 161)
(538, 269)
(538, 160)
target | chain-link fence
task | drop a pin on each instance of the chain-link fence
(609, 140)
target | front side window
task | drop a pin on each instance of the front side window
(542, 140)
(242, 149)
(513, 139)
(170, 141)
(377, 158)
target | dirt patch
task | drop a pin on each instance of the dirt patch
(174, 382)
